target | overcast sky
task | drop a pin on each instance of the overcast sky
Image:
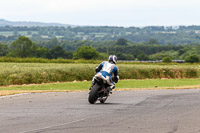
(104, 12)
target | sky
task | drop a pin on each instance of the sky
(124, 13)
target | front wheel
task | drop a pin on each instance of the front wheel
(93, 94)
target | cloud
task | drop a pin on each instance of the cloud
(102, 12)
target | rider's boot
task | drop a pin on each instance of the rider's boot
(111, 88)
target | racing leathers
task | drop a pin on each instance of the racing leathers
(107, 69)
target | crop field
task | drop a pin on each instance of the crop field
(6, 33)
(24, 33)
(37, 73)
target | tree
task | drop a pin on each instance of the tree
(53, 42)
(198, 49)
(152, 41)
(122, 42)
(23, 47)
(121, 56)
(43, 52)
(167, 59)
(142, 57)
(85, 52)
(192, 59)
(3, 49)
(160, 55)
(57, 51)
(182, 51)
(68, 54)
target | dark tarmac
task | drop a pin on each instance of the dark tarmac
(142, 111)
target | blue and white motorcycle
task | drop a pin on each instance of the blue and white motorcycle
(100, 89)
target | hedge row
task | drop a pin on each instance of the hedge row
(44, 60)
(29, 73)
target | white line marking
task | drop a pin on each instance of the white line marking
(58, 125)
(14, 95)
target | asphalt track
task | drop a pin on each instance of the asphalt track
(147, 111)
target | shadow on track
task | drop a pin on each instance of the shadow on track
(108, 104)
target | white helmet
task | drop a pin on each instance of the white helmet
(112, 58)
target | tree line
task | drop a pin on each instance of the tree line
(125, 50)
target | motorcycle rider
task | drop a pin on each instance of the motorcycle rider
(107, 69)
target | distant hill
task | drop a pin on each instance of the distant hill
(4, 22)
(37, 31)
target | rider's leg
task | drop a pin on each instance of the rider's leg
(111, 85)
(110, 88)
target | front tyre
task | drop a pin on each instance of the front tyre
(93, 94)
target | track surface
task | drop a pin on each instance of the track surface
(157, 111)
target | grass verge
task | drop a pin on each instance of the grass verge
(84, 86)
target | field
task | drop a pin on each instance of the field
(11, 33)
(25, 33)
(37, 73)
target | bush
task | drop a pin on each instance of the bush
(167, 59)
(142, 57)
(192, 59)
(44, 60)
(86, 52)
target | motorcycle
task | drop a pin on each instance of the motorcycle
(100, 89)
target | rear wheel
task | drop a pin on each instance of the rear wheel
(93, 94)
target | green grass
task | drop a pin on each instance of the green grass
(53, 86)
(157, 83)
(123, 84)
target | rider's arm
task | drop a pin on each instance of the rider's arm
(116, 76)
(98, 69)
